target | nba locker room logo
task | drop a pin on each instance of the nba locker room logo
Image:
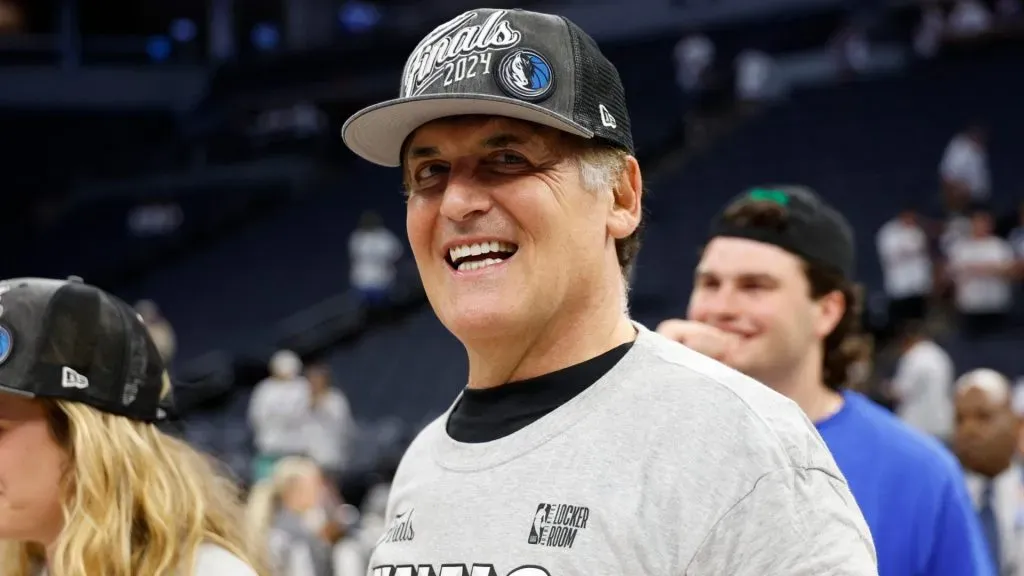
(557, 525)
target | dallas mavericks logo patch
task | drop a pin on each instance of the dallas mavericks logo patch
(6, 344)
(526, 75)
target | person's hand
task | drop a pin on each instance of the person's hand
(703, 338)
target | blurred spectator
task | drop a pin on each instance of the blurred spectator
(694, 54)
(1017, 234)
(906, 268)
(928, 36)
(981, 268)
(352, 554)
(964, 169)
(986, 439)
(159, 329)
(288, 512)
(923, 384)
(374, 251)
(755, 81)
(331, 426)
(11, 18)
(852, 50)
(969, 18)
(279, 413)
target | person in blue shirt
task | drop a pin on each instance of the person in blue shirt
(774, 297)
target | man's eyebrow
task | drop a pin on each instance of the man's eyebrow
(423, 152)
(503, 140)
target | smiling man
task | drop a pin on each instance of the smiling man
(583, 443)
(774, 297)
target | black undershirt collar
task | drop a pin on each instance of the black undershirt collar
(487, 415)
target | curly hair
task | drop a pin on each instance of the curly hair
(847, 344)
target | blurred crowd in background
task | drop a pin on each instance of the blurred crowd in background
(185, 155)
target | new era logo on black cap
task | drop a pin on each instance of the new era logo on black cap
(526, 65)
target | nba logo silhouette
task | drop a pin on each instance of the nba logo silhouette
(538, 524)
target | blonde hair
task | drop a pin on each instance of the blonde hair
(135, 501)
(265, 496)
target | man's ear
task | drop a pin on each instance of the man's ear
(626, 207)
(831, 308)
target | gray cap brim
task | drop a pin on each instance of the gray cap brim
(377, 133)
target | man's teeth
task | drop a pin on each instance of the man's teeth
(477, 264)
(466, 250)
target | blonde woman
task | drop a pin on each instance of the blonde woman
(88, 485)
(290, 512)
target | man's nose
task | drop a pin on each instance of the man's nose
(464, 197)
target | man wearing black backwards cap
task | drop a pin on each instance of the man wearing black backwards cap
(583, 443)
(774, 297)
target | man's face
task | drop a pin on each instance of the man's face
(985, 438)
(760, 292)
(504, 235)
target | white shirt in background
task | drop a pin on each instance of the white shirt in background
(693, 54)
(966, 161)
(906, 263)
(924, 385)
(981, 294)
(329, 431)
(279, 413)
(969, 17)
(753, 75)
(373, 254)
(928, 37)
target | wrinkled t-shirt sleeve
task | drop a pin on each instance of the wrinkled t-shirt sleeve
(795, 521)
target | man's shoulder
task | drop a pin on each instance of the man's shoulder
(692, 393)
(904, 447)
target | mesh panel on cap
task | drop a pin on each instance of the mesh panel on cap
(138, 365)
(75, 319)
(597, 82)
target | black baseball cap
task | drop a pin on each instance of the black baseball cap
(67, 340)
(811, 229)
(526, 65)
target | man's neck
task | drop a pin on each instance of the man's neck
(806, 387)
(562, 342)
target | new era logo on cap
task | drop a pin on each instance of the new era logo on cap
(71, 379)
(530, 66)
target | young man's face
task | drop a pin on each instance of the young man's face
(761, 293)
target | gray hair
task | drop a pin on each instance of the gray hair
(599, 169)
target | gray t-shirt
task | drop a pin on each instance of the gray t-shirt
(671, 464)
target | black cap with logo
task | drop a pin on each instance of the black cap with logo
(526, 65)
(811, 229)
(70, 341)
